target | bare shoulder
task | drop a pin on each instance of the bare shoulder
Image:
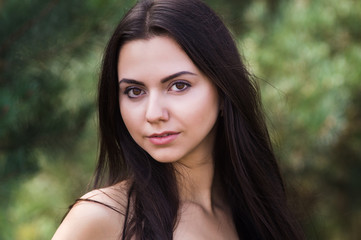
(98, 215)
(115, 197)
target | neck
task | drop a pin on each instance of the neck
(197, 184)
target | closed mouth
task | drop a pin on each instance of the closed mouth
(163, 139)
(163, 134)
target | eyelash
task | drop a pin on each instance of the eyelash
(186, 84)
(129, 89)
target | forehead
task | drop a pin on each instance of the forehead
(159, 56)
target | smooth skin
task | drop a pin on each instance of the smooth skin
(170, 108)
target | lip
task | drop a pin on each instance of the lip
(163, 137)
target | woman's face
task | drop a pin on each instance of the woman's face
(168, 106)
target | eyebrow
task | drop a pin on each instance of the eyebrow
(164, 80)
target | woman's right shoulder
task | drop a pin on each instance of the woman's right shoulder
(98, 214)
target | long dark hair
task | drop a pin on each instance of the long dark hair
(244, 159)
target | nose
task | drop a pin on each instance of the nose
(156, 110)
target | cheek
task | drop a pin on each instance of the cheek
(200, 109)
(131, 117)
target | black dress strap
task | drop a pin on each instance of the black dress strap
(94, 201)
(127, 213)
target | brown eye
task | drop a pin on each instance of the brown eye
(179, 86)
(134, 92)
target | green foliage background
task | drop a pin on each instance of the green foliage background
(306, 54)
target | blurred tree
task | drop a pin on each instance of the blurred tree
(40, 42)
(309, 56)
(342, 178)
(233, 13)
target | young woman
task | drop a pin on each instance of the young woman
(184, 149)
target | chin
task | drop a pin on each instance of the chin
(165, 158)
